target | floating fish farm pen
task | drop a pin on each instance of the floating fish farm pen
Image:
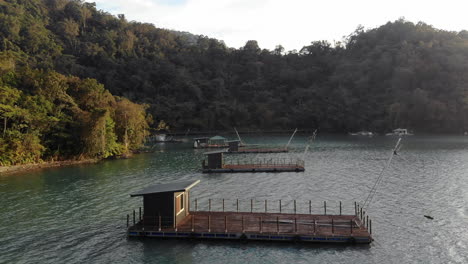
(169, 212)
(215, 164)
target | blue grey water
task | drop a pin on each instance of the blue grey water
(78, 214)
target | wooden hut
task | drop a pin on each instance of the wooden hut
(215, 159)
(168, 203)
(233, 145)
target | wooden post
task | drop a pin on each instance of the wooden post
(277, 224)
(133, 216)
(357, 214)
(242, 223)
(251, 205)
(160, 222)
(196, 204)
(351, 225)
(310, 207)
(333, 227)
(193, 223)
(315, 226)
(237, 204)
(361, 213)
(265, 206)
(340, 207)
(280, 205)
(209, 205)
(223, 205)
(367, 221)
(295, 225)
(209, 223)
(225, 223)
(325, 207)
(128, 220)
(370, 227)
(294, 206)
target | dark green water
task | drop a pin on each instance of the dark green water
(78, 214)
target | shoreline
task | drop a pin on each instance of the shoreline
(37, 166)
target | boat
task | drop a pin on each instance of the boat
(362, 133)
(399, 132)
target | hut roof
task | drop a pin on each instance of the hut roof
(168, 187)
(218, 138)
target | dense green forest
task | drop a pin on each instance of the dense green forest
(52, 52)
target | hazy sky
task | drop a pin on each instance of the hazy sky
(291, 23)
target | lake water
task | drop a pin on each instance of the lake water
(78, 214)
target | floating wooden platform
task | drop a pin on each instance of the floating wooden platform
(258, 150)
(260, 226)
(233, 168)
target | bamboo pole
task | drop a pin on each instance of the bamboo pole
(340, 207)
(310, 207)
(351, 226)
(294, 206)
(370, 227)
(237, 204)
(325, 207)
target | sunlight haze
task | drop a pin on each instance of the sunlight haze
(292, 24)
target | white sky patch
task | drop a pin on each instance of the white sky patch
(292, 23)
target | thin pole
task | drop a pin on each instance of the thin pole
(209, 205)
(315, 225)
(280, 205)
(196, 204)
(355, 208)
(193, 223)
(325, 207)
(295, 225)
(367, 220)
(370, 227)
(361, 213)
(340, 207)
(242, 223)
(260, 223)
(294, 206)
(289, 142)
(225, 224)
(237, 204)
(277, 224)
(310, 207)
(209, 223)
(351, 225)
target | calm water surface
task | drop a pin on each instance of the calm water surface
(78, 214)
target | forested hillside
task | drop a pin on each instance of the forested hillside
(398, 75)
(46, 115)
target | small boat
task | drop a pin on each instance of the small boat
(399, 132)
(429, 217)
(362, 133)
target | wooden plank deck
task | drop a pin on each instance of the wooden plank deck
(263, 226)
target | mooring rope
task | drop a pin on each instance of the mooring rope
(373, 190)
